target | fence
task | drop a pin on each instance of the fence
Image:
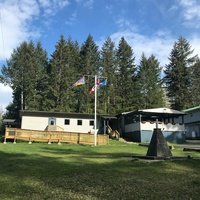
(53, 136)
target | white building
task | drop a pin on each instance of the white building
(135, 126)
(55, 121)
(138, 125)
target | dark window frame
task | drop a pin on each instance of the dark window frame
(91, 122)
(79, 122)
(67, 122)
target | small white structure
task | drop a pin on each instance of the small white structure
(69, 122)
(138, 125)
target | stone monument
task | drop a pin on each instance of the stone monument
(158, 147)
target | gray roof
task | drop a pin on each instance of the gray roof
(157, 112)
(162, 111)
(62, 114)
(192, 109)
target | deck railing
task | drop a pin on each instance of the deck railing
(53, 136)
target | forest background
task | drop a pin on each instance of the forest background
(45, 83)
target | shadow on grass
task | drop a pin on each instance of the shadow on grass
(68, 173)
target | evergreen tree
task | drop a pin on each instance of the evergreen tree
(149, 82)
(22, 73)
(37, 99)
(177, 75)
(126, 69)
(108, 70)
(89, 65)
(73, 57)
(62, 69)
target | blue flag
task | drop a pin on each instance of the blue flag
(103, 82)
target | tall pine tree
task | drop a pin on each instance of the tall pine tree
(63, 65)
(149, 82)
(177, 74)
(126, 69)
(22, 73)
(89, 65)
(40, 65)
(108, 70)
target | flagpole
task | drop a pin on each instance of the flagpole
(95, 110)
(94, 89)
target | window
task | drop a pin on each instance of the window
(91, 122)
(67, 122)
(79, 122)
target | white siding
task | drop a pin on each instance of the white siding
(73, 127)
(40, 123)
(34, 123)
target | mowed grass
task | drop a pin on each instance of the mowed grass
(42, 171)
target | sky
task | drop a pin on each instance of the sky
(149, 26)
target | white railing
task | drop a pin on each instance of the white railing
(146, 125)
(162, 126)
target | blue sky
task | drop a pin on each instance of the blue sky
(149, 26)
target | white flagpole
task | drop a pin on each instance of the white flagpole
(95, 110)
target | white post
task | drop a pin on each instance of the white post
(95, 110)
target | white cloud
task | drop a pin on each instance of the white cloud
(109, 8)
(50, 7)
(6, 96)
(72, 19)
(158, 45)
(195, 44)
(123, 24)
(191, 12)
(86, 3)
(16, 25)
(173, 8)
(89, 4)
(16, 21)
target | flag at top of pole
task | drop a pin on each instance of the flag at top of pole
(98, 84)
(81, 81)
(103, 82)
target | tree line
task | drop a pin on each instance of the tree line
(43, 83)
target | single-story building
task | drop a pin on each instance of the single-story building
(135, 126)
(138, 125)
(60, 121)
(192, 122)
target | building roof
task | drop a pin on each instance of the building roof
(11, 122)
(192, 109)
(167, 112)
(162, 111)
(61, 114)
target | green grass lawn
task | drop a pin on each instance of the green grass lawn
(42, 171)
